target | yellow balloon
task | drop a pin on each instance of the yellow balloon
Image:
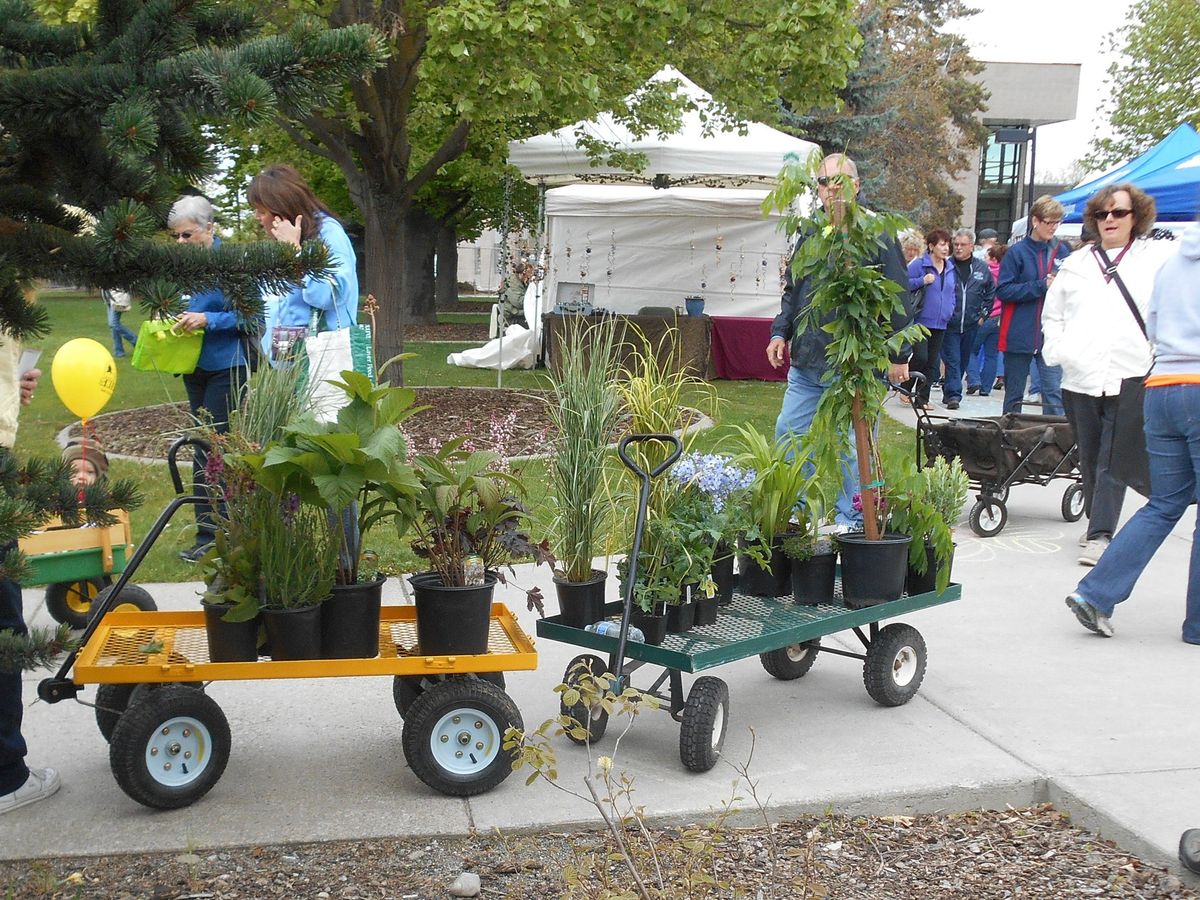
(84, 376)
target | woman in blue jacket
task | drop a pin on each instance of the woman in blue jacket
(290, 212)
(933, 279)
(224, 362)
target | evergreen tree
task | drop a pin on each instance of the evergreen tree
(100, 125)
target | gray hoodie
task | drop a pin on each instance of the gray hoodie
(1173, 324)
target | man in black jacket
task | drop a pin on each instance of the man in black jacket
(974, 293)
(810, 375)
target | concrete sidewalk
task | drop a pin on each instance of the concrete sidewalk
(1020, 704)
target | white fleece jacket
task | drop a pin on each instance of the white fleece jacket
(1087, 325)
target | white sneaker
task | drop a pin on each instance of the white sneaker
(1083, 539)
(1093, 550)
(40, 784)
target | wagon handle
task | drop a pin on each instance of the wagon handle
(204, 445)
(638, 528)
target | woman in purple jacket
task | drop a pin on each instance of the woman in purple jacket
(933, 279)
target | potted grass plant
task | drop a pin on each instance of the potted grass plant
(865, 313)
(585, 409)
(938, 491)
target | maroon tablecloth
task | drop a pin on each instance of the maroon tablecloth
(739, 349)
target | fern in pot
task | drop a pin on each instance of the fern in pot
(585, 409)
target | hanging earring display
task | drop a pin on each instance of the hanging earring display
(719, 244)
(586, 265)
(612, 257)
(692, 250)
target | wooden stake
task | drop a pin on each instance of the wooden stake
(862, 436)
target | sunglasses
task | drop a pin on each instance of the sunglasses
(1117, 214)
(827, 180)
(183, 235)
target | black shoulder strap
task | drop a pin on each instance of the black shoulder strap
(1124, 290)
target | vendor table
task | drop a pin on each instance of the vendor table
(689, 335)
(739, 349)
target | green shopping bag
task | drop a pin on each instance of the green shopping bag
(162, 347)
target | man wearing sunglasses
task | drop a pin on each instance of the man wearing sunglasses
(1026, 273)
(809, 375)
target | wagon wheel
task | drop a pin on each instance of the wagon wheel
(988, 517)
(895, 665)
(407, 688)
(70, 601)
(793, 661)
(702, 729)
(454, 733)
(1072, 502)
(595, 719)
(169, 748)
(113, 699)
(999, 491)
(131, 599)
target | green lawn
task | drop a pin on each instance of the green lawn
(73, 314)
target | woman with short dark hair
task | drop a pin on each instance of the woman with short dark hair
(933, 278)
(1091, 331)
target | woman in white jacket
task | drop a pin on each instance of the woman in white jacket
(1093, 334)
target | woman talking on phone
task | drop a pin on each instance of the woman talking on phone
(289, 211)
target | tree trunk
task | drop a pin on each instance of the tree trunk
(862, 440)
(400, 242)
(446, 279)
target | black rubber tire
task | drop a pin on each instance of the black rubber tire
(594, 720)
(994, 524)
(70, 602)
(486, 712)
(407, 688)
(1071, 496)
(149, 722)
(895, 665)
(131, 596)
(111, 703)
(705, 720)
(791, 662)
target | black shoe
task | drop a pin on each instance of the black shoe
(972, 389)
(951, 404)
(1189, 850)
(195, 554)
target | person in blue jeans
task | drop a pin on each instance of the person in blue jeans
(1172, 426)
(974, 291)
(810, 376)
(121, 334)
(1026, 273)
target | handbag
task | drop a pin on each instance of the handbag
(162, 347)
(1128, 461)
(324, 355)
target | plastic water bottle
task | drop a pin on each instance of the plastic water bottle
(613, 630)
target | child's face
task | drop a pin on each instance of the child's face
(83, 472)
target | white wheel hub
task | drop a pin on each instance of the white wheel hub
(904, 666)
(178, 752)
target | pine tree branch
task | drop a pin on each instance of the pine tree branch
(39, 649)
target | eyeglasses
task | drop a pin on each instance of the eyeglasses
(827, 180)
(182, 235)
(1054, 222)
(1117, 214)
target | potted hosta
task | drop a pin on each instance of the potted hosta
(355, 468)
(584, 407)
(866, 315)
(466, 519)
(782, 479)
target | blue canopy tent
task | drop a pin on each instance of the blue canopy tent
(1162, 171)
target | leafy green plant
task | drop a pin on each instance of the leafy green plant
(585, 409)
(800, 547)
(910, 509)
(858, 305)
(946, 487)
(297, 555)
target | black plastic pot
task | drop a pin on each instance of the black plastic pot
(813, 579)
(681, 616)
(294, 633)
(350, 620)
(229, 641)
(758, 582)
(873, 572)
(706, 610)
(452, 621)
(722, 574)
(653, 625)
(925, 582)
(581, 603)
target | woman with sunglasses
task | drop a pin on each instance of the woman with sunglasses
(1092, 331)
(289, 211)
(224, 362)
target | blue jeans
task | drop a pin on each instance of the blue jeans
(981, 372)
(13, 771)
(1172, 417)
(216, 392)
(119, 332)
(804, 390)
(1016, 372)
(956, 354)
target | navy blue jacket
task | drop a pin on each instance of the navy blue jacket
(973, 297)
(1022, 291)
